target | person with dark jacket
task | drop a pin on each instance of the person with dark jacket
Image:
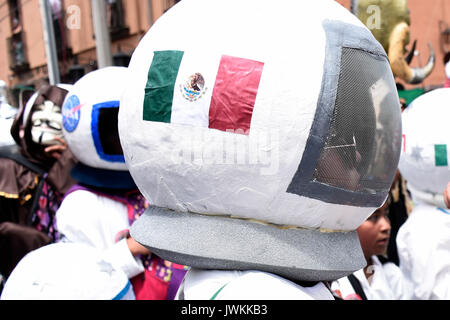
(34, 175)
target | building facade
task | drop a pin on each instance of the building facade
(22, 50)
(430, 22)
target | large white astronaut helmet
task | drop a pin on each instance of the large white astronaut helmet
(89, 115)
(263, 138)
(424, 159)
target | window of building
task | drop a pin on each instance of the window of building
(14, 15)
(16, 45)
(116, 19)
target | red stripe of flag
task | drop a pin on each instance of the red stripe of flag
(234, 94)
(404, 142)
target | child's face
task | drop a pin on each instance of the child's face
(374, 232)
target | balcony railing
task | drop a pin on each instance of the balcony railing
(17, 53)
(116, 20)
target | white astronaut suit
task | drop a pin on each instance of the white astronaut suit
(423, 241)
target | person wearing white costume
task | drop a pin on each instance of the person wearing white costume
(424, 239)
(85, 216)
(260, 146)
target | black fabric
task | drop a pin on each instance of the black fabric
(306, 284)
(15, 242)
(383, 259)
(13, 152)
(109, 132)
(11, 209)
(357, 286)
(36, 198)
(103, 178)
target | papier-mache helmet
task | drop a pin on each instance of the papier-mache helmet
(424, 159)
(66, 271)
(90, 113)
(263, 138)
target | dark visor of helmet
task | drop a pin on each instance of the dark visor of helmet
(105, 131)
(355, 159)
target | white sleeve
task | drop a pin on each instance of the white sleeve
(201, 284)
(399, 286)
(423, 245)
(85, 217)
(119, 255)
(257, 285)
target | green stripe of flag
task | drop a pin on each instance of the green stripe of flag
(440, 154)
(160, 85)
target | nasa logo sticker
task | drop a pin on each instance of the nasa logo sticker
(194, 87)
(71, 113)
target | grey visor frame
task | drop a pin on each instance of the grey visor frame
(302, 182)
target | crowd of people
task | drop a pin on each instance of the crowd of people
(105, 191)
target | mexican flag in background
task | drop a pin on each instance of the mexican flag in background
(440, 155)
(205, 90)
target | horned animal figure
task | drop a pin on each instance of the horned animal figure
(389, 22)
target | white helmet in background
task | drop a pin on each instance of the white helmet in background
(424, 160)
(262, 143)
(66, 271)
(90, 128)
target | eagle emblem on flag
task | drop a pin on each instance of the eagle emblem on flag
(194, 87)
